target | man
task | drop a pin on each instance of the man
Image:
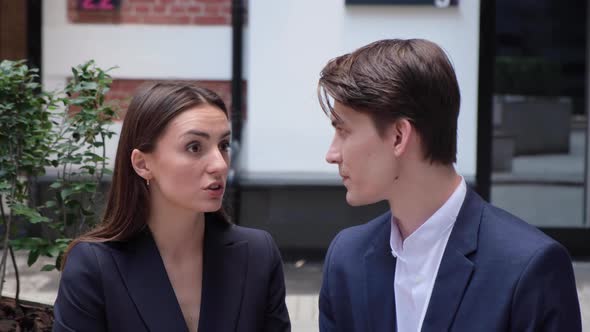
(443, 259)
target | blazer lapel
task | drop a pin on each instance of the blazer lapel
(145, 277)
(225, 265)
(379, 278)
(455, 268)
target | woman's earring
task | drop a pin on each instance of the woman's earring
(148, 182)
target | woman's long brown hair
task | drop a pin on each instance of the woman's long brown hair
(150, 110)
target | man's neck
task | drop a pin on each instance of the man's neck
(419, 193)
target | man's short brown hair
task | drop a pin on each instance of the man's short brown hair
(394, 79)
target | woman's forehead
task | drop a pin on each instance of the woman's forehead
(208, 119)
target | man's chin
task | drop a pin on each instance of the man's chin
(354, 200)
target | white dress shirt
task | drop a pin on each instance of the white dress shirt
(418, 258)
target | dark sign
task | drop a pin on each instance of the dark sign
(436, 3)
(98, 4)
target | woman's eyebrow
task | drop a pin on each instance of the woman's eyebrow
(204, 134)
(197, 133)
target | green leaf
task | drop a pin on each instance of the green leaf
(65, 193)
(54, 250)
(31, 214)
(28, 243)
(50, 204)
(4, 186)
(33, 256)
(48, 267)
(38, 219)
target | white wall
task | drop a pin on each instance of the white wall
(286, 44)
(291, 40)
(140, 51)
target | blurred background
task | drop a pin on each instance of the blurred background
(522, 68)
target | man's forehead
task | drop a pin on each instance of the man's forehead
(340, 113)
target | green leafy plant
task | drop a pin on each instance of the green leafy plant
(79, 161)
(25, 142)
(62, 133)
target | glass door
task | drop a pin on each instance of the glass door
(539, 168)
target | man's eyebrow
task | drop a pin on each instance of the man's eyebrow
(336, 120)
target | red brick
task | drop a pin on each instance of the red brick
(98, 17)
(125, 6)
(122, 91)
(156, 20)
(176, 9)
(201, 12)
(160, 9)
(182, 20)
(195, 9)
(142, 9)
(212, 9)
(211, 20)
(131, 19)
(226, 11)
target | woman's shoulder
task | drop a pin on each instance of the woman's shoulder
(248, 233)
(81, 255)
(258, 239)
(81, 267)
(85, 247)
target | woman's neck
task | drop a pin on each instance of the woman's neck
(176, 233)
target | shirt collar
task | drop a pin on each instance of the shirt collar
(434, 227)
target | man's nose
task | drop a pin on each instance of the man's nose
(333, 156)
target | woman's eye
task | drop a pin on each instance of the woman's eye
(193, 147)
(224, 146)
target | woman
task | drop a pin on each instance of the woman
(165, 257)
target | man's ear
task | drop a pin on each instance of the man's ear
(400, 135)
(140, 164)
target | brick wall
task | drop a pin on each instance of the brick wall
(123, 90)
(198, 12)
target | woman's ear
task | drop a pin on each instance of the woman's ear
(140, 164)
(400, 135)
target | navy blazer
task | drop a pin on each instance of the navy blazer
(497, 273)
(124, 286)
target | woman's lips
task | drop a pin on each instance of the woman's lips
(215, 193)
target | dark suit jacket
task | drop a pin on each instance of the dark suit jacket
(497, 273)
(124, 286)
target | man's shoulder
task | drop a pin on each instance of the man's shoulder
(354, 238)
(511, 236)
